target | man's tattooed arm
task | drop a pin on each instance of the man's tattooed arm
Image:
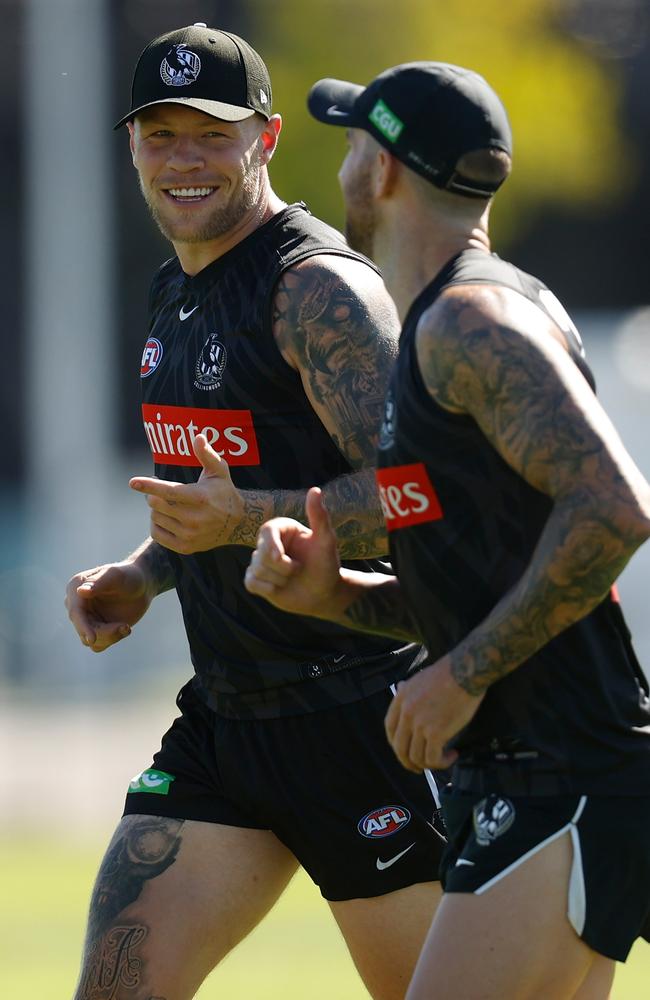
(381, 609)
(490, 353)
(336, 325)
(153, 559)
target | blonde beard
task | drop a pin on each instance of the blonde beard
(221, 220)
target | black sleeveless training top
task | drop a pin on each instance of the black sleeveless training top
(211, 364)
(462, 528)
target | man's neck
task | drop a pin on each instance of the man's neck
(193, 257)
(410, 257)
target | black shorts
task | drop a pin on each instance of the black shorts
(608, 899)
(327, 784)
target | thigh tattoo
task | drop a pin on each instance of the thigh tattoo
(143, 848)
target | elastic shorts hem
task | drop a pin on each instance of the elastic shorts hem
(608, 892)
(345, 895)
(146, 804)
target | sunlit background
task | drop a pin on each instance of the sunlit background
(76, 257)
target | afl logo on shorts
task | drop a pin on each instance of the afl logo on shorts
(383, 822)
(180, 67)
(492, 817)
(151, 357)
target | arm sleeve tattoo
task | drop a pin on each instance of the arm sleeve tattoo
(489, 353)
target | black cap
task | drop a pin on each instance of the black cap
(427, 114)
(211, 70)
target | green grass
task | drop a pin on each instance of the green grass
(296, 953)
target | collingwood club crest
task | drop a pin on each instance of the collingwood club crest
(387, 429)
(492, 817)
(210, 364)
(180, 67)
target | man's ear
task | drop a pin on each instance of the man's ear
(269, 136)
(131, 128)
(385, 173)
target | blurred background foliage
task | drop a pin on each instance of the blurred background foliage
(562, 97)
(575, 77)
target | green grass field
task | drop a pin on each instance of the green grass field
(296, 954)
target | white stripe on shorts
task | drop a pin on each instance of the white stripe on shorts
(577, 899)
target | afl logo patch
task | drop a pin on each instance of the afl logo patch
(383, 822)
(492, 817)
(211, 364)
(180, 67)
(151, 357)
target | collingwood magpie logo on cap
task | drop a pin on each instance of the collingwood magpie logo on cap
(180, 66)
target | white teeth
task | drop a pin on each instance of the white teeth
(190, 192)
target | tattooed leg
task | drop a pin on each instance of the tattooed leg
(172, 898)
(142, 848)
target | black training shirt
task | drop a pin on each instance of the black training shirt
(211, 364)
(462, 528)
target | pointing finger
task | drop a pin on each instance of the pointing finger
(171, 492)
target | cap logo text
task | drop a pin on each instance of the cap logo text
(180, 67)
(386, 121)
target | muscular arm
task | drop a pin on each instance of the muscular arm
(336, 325)
(298, 569)
(489, 353)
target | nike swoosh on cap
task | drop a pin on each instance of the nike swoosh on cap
(182, 315)
(391, 861)
(334, 112)
(464, 861)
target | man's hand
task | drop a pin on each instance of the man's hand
(294, 567)
(104, 603)
(194, 517)
(428, 710)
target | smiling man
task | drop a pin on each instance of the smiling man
(263, 371)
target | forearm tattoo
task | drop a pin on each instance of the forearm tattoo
(158, 566)
(383, 611)
(530, 404)
(142, 849)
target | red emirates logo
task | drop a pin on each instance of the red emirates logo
(407, 496)
(171, 430)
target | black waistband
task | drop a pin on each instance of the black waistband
(509, 778)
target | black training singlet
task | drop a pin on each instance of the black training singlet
(462, 529)
(211, 364)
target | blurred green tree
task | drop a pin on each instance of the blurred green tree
(562, 97)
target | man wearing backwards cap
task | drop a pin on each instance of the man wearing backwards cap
(264, 370)
(511, 506)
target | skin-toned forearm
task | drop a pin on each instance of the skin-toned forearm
(354, 508)
(370, 602)
(377, 605)
(581, 552)
(153, 559)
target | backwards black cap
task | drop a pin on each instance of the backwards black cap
(427, 114)
(211, 70)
